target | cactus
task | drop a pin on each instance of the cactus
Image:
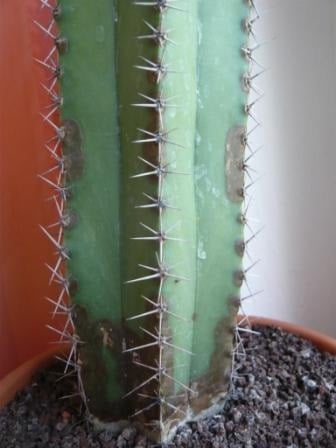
(148, 111)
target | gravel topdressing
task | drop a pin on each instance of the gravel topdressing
(284, 396)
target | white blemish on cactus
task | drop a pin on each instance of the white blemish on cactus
(100, 34)
(200, 250)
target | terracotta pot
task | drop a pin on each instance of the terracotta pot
(20, 377)
(24, 279)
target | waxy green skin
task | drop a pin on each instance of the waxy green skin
(100, 86)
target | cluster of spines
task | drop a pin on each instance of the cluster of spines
(55, 178)
(255, 69)
(161, 138)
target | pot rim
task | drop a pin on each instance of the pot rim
(322, 341)
(20, 377)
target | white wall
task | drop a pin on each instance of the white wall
(295, 198)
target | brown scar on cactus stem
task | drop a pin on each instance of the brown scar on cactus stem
(211, 388)
(98, 336)
(72, 150)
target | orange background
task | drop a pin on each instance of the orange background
(24, 250)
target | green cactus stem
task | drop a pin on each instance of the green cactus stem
(153, 131)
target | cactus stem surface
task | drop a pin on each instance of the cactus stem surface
(151, 308)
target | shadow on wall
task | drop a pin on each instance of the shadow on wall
(296, 197)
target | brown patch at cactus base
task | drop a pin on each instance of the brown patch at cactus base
(101, 335)
(95, 337)
(211, 388)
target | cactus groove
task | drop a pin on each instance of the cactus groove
(153, 133)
